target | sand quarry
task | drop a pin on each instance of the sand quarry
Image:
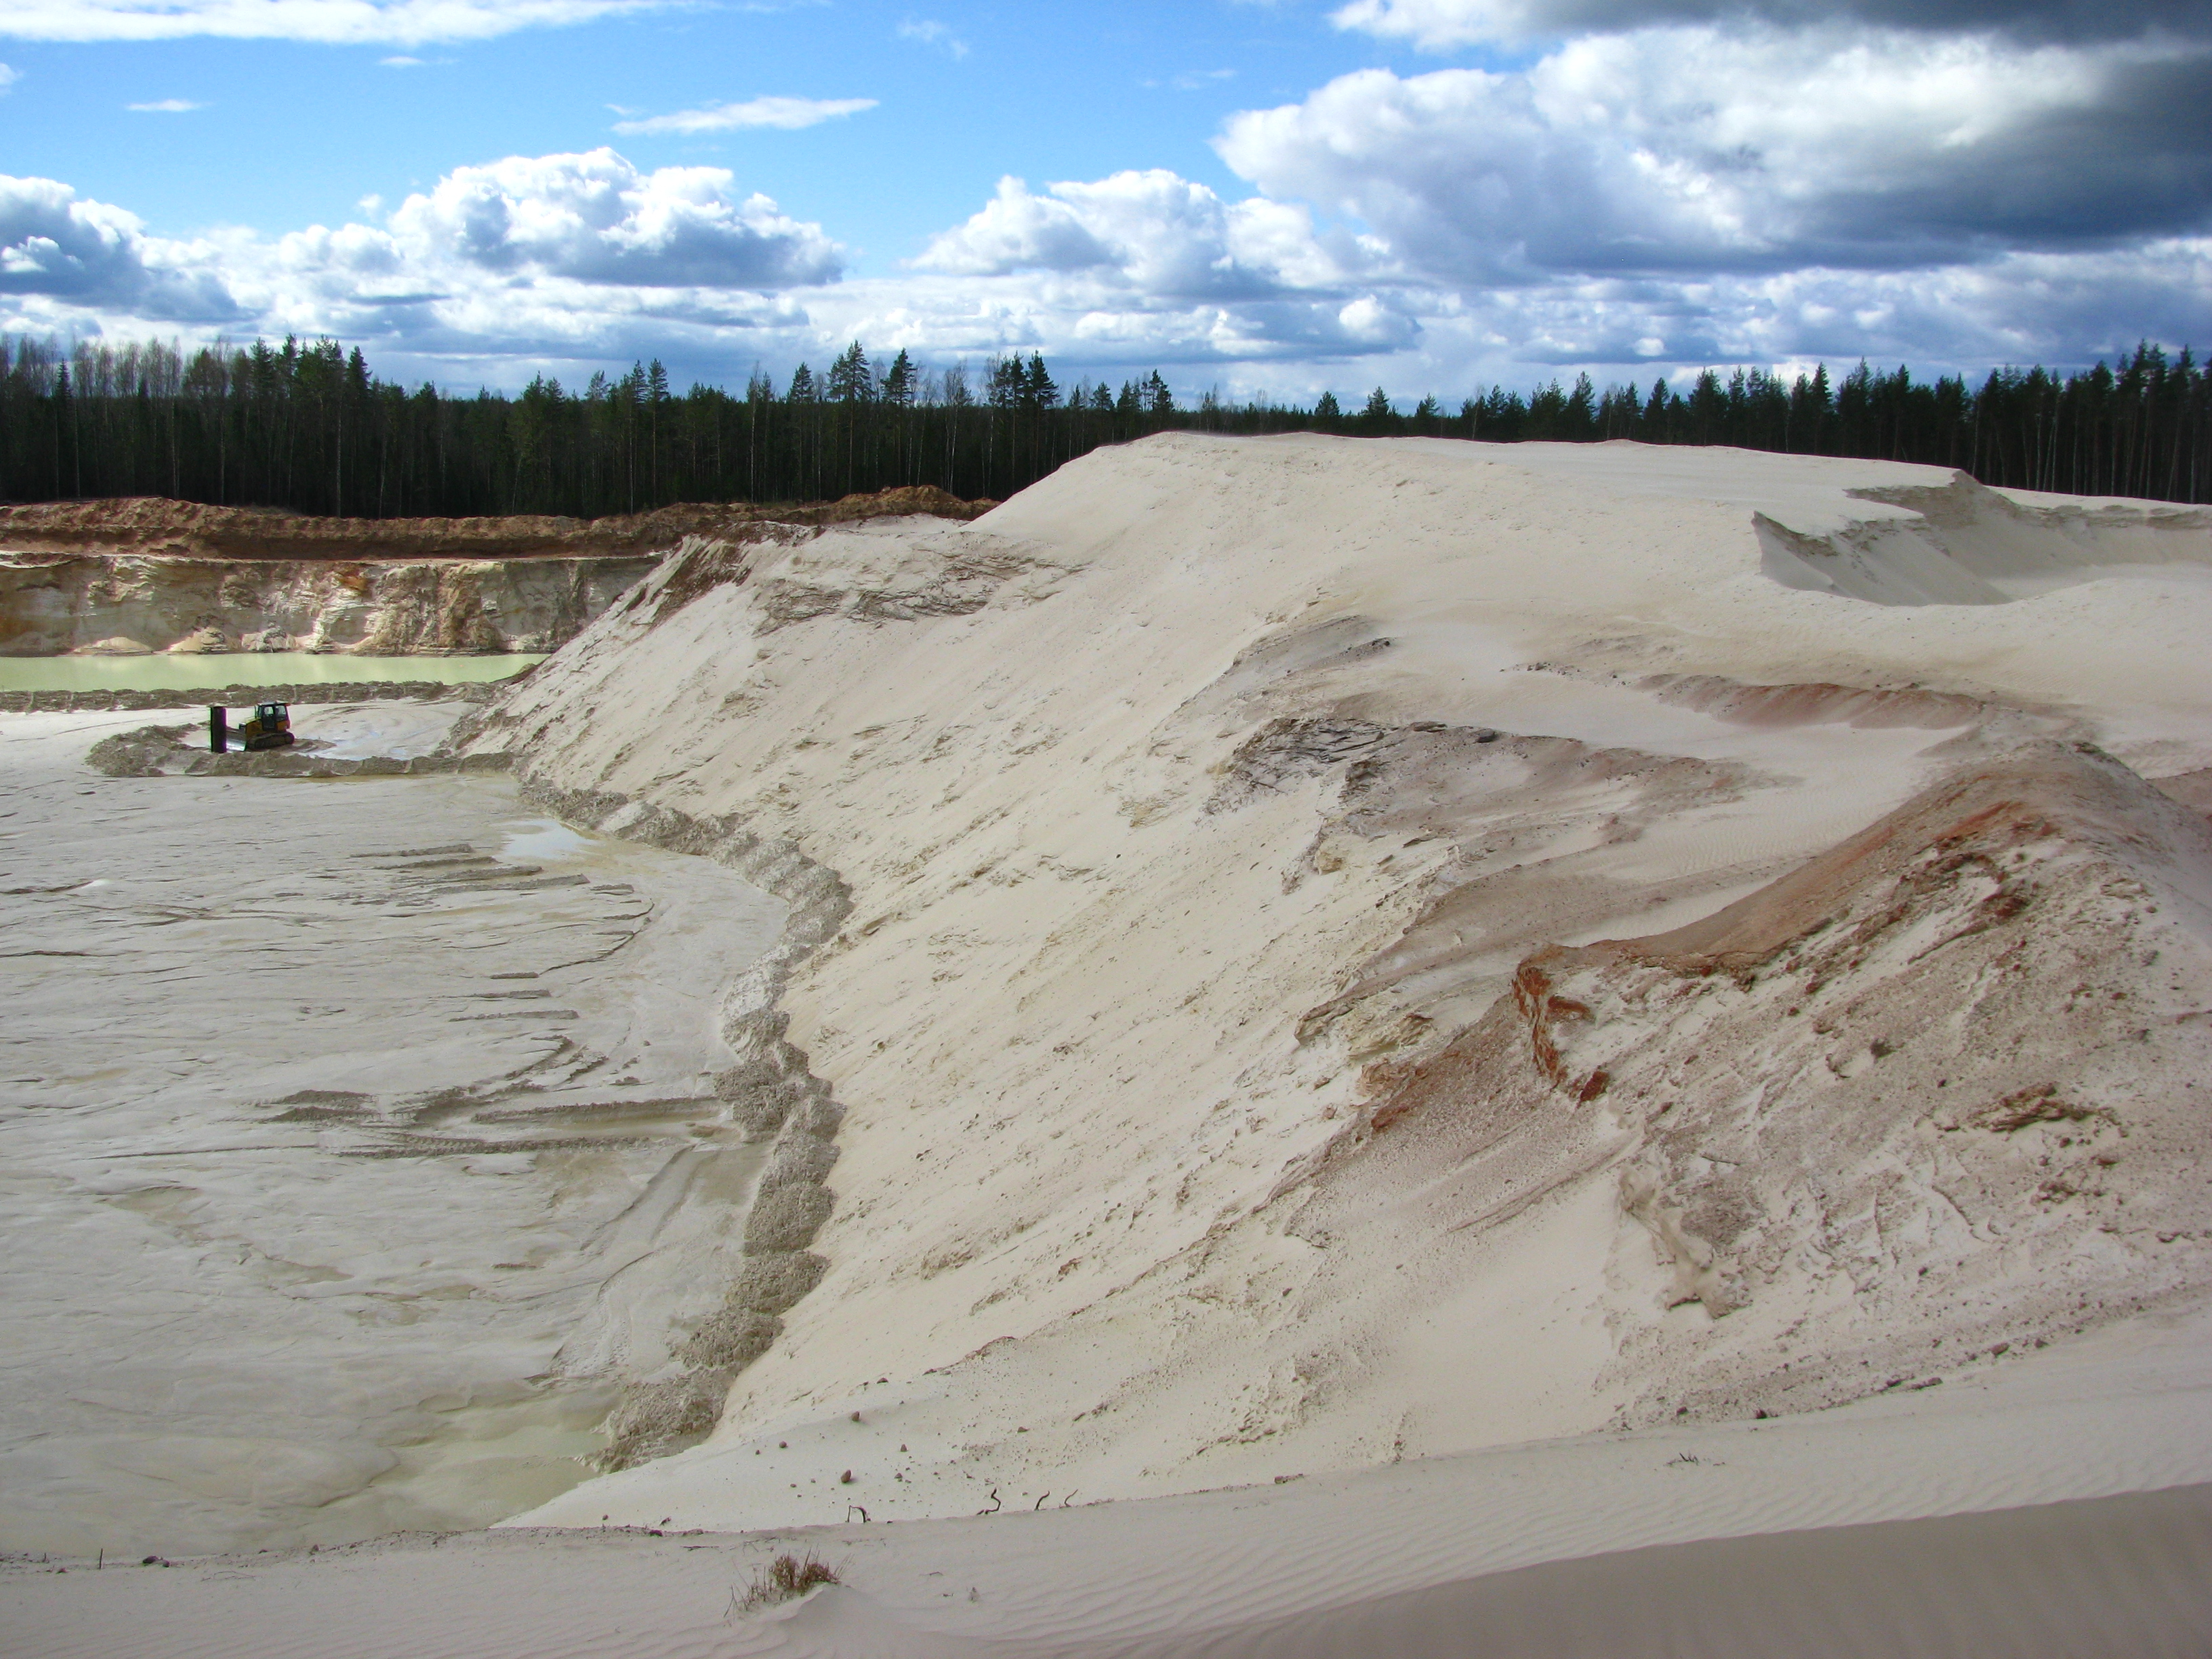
(1286, 1046)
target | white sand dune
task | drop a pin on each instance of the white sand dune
(1212, 1109)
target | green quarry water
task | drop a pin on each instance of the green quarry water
(185, 673)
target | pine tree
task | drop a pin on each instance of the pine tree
(850, 380)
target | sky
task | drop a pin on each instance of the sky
(1268, 198)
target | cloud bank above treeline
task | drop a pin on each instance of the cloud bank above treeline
(1648, 187)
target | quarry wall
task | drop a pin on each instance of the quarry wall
(133, 576)
(54, 604)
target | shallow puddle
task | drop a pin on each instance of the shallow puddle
(161, 671)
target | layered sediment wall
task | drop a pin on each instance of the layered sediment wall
(52, 604)
(135, 576)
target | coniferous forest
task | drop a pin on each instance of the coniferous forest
(310, 428)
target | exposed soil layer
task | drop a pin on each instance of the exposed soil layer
(192, 530)
(1932, 1090)
(133, 605)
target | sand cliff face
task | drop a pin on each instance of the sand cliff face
(128, 576)
(1367, 950)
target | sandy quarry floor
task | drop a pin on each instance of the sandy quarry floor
(329, 1113)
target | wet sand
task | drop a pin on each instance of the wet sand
(356, 1136)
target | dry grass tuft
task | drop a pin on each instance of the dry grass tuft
(786, 1579)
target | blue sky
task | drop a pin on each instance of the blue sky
(292, 133)
(1428, 194)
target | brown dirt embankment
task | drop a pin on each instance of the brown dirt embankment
(151, 525)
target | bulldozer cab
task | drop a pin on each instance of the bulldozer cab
(269, 728)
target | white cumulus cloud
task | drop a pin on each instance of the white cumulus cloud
(61, 253)
(166, 107)
(581, 256)
(597, 218)
(395, 22)
(789, 114)
(1152, 231)
(1136, 269)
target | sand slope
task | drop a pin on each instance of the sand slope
(1795, 1535)
(1233, 1081)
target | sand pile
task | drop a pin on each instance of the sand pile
(1234, 1080)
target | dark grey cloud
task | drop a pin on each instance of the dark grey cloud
(1696, 150)
(1441, 25)
(2134, 160)
(2037, 21)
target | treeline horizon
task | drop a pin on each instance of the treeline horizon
(309, 428)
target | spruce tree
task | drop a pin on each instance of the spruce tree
(898, 384)
(1038, 390)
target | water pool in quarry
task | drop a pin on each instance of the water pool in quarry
(187, 671)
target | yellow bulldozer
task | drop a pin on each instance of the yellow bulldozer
(269, 728)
